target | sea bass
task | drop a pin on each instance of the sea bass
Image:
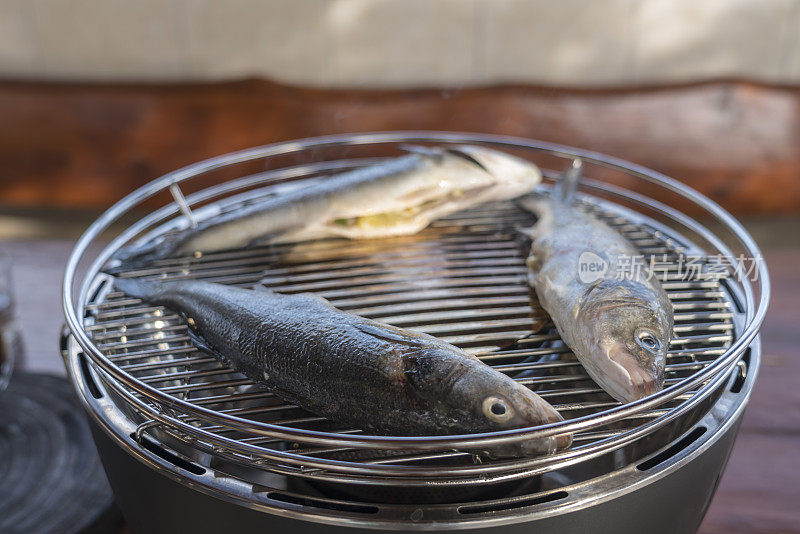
(349, 369)
(619, 327)
(400, 196)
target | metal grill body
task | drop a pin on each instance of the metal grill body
(463, 280)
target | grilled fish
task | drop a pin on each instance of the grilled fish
(349, 369)
(617, 323)
(398, 197)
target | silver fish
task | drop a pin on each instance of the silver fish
(400, 196)
(619, 327)
(352, 370)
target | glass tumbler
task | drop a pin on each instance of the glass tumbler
(10, 338)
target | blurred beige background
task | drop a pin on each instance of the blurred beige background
(706, 91)
(385, 43)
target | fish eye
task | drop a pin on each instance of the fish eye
(497, 409)
(648, 340)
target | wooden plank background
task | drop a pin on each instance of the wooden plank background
(86, 145)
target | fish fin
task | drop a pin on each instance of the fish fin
(261, 287)
(393, 334)
(383, 331)
(139, 256)
(289, 234)
(306, 299)
(533, 263)
(408, 338)
(536, 204)
(539, 322)
(539, 316)
(296, 234)
(203, 345)
(431, 152)
(465, 152)
(461, 151)
(136, 287)
(543, 209)
(285, 394)
(565, 188)
(527, 231)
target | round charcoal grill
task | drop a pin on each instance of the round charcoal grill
(176, 428)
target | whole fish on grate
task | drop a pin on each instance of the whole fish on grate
(399, 196)
(617, 321)
(350, 369)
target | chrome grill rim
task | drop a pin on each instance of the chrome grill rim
(129, 387)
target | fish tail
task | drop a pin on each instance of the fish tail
(139, 256)
(138, 288)
(565, 188)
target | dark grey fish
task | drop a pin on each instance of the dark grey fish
(400, 196)
(618, 321)
(352, 370)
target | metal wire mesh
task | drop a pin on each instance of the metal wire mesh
(462, 280)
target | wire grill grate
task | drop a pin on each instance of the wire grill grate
(462, 280)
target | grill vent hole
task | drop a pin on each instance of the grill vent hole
(87, 377)
(170, 457)
(314, 503)
(520, 503)
(665, 455)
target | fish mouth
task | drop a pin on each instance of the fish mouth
(534, 447)
(539, 412)
(625, 378)
(548, 445)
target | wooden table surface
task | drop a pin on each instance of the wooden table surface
(760, 491)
